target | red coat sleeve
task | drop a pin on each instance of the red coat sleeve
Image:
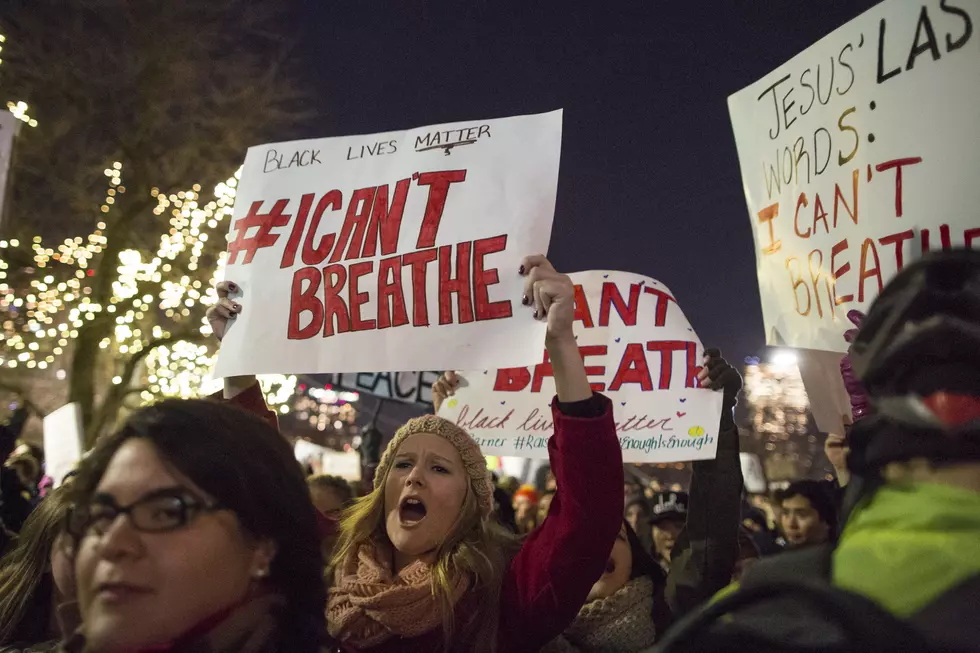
(549, 579)
(251, 400)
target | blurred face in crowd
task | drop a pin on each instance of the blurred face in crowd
(327, 500)
(138, 589)
(424, 495)
(665, 535)
(633, 514)
(544, 505)
(801, 523)
(523, 506)
(618, 569)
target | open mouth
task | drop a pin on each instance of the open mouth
(412, 511)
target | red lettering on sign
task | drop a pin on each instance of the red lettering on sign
(512, 379)
(611, 297)
(386, 222)
(660, 317)
(633, 368)
(296, 235)
(316, 255)
(484, 277)
(438, 183)
(302, 301)
(393, 314)
(355, 223)
(582, 312)
(459, 286)
(419, 262)
(355, 271)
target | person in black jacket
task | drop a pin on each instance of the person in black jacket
(15, 502)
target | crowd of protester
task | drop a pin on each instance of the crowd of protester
(193, 528)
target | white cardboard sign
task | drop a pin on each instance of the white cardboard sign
(391, 252)
(639, 350)
(62, 441)
(857, 155)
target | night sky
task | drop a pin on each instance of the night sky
(649, 173)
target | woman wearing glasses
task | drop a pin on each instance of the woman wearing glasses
(193, 530)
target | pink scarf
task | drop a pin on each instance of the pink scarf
(368, 605)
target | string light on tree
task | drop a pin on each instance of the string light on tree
(41, 318)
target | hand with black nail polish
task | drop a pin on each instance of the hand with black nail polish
(221, 313)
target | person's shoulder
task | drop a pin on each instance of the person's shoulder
(812, 563)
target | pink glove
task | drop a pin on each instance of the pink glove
(859, 400)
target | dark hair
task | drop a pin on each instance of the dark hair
(26, 585)
(249, 468)
(819, 496)
(328, 482)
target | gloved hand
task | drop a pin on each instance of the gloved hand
(860, 406)
(717, 374)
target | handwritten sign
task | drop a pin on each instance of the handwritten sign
(407, 387)
(639, 350)
(397, 251)
(857, 156)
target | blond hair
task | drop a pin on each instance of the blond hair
(477, 547)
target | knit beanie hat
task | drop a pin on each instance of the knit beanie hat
(469, 451)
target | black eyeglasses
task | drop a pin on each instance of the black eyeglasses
(157, 512)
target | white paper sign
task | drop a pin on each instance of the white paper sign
(753, 476)
(639, 350)
(857, 155)
(346, 465)
(390, 252)
(825, 391)
(62, 441)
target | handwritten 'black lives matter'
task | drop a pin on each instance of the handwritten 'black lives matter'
(942, 30)
(648, 365)
(328, 294)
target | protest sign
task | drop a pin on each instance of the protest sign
(408, 387)
(825, 391)
(753, 475)
(345, 464)
(639, 350)
(62, 441)
(397, 251)
(857, 156)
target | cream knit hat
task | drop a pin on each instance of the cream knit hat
(473, 460)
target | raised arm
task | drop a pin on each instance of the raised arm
(242, 391)
(708, 547)
(549, 579)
